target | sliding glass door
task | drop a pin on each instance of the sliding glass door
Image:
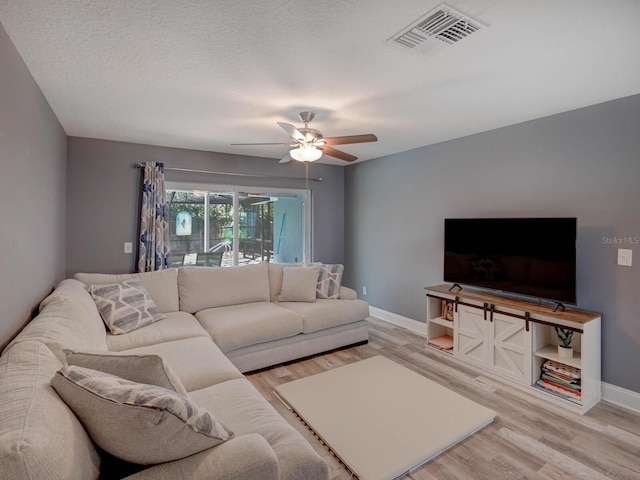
(213, 226)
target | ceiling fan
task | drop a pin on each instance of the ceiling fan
(310, 144)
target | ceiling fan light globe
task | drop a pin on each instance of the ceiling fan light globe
(306, 153)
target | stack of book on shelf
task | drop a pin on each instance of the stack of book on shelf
(561, 380)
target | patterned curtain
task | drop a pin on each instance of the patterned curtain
(153, 244)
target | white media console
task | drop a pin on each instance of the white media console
(512, 340)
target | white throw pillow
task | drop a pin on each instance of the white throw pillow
(125, 306)
(299, 284)
(139, 423)
(140, 368)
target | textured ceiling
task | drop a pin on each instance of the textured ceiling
(205, 74)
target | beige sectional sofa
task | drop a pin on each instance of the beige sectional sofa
(216, 323)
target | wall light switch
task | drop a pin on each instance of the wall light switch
(624, 256)
(128, 247)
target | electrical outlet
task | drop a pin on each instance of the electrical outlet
(364, 290)
(128, 247)
(624, 256)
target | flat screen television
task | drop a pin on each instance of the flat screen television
(533, 257)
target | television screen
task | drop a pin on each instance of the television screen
(525, 256)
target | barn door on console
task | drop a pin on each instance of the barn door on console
(471, 335)
(511, 352)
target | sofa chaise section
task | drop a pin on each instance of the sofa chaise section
(197, 361)
(239, 405)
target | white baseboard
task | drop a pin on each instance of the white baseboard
(409, 323)
(621, 397)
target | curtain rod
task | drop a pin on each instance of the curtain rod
(192, 170)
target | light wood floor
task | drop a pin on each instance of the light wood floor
(529, 439)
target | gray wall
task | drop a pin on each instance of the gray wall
(103, 196)
(584, 163)
(32, 193)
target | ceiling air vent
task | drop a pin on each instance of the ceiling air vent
(441, 27)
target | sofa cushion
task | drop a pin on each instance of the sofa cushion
(198, 362)
(240, 325)
(299, 284)
(151, 368)
(175, 326)
(125, 306)
(64, 323)
(325, 313)
(208, 287)
(139, 423)
(40, 437)
(239, 405)
(162, 285)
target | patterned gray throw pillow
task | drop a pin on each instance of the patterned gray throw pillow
(139, 423)
(329, 281)
(125, 306)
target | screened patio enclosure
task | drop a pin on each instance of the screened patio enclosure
(206, 231)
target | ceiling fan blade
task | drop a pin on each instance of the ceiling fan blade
(332, 152)
(263, 143)
(292, 131)
(369, 137)
(285, 159)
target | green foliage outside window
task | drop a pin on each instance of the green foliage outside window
(255, 222)
(220, 219)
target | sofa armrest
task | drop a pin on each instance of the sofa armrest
(347, 293)
(242, 458)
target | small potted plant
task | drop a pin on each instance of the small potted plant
(565, 350)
